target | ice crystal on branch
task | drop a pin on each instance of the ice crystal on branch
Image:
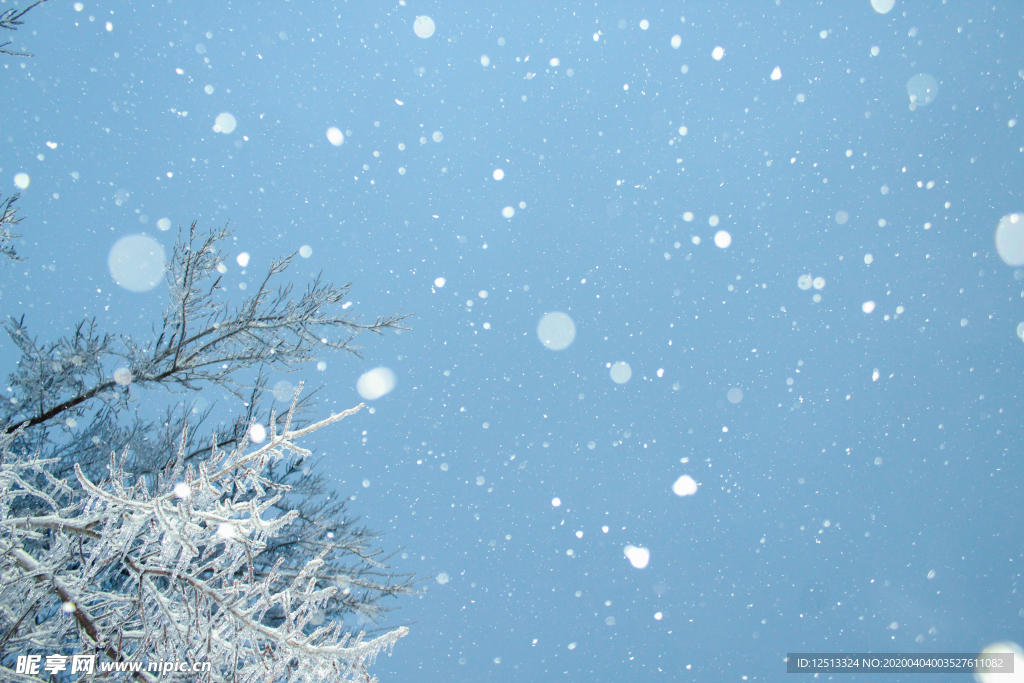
(203, 338)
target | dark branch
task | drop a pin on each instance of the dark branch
(11, 20)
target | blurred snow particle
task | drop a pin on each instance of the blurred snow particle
(224, 123)
(1010, 239)
(437, 136)
(882, 6)
(423, 26)
(695, 239)
(687, 216)
(556, 502)
(638, 557)
(621, 372)
(657, 616)
(676, 42)
(922, 90)
(485, 60)
(164, 224)
(718, 53)
(1001, 650)
(713, 220)
(722, 239)
(804, 281)
(443, 578)
(284, 391)
(684, 486)
(137, 263)
(208, 90)
(439, 282)
(868, 306)
(555, 61)
(242, 259)
(335, 136)
(321, 366)
(123, 377)
(225, 531)
(182, 490)
(508, 212)
(869, 259)
(376, 383)
(257, 433)
(305, 251)
(776, 74)
(735, 395)
(556, 331)
(498, 174)
(644, 24)
(21, 180)
(842, 217)
(819, 282)
(366, 483)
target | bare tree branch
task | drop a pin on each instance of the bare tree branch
(11, 19)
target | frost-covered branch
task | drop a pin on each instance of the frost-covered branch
(8, 219)
(204, 339)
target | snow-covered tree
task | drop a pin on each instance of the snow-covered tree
(73, 402)
(138, 571)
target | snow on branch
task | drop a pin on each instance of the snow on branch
(203, 339)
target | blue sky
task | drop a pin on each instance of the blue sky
(864, 492)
